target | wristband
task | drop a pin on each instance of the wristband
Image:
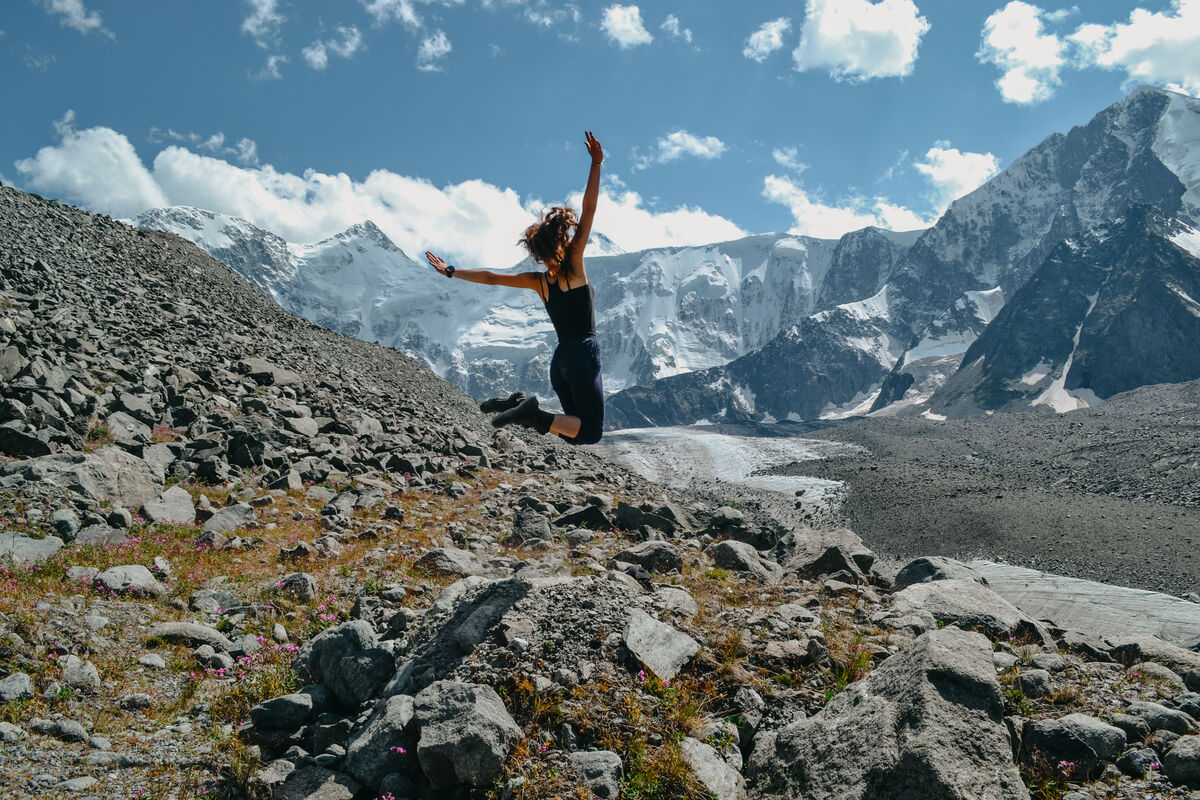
(449, 270)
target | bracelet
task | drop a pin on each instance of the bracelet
(449, 270)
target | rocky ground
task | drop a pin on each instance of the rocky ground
(245, 557)
(1110, 493)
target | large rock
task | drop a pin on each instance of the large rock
(714, 773)
(318, 783)
(130, 579)
(1182, 763)
(653, 556)
(174, 506)
(25, 550)
(347, 661)
(814, 553)
(282, 713)
(466, 733)
(231, 518)
(529, 525)
(17, 686)
(1136, 649)
(741, 557)
(450, 561)
(601, 771)
(1161, 718)
(109, 473)
(659, 646)
(935, 568)
(1078, 738)
(191, 634)
(369, 752)
(969, 605)
(927, 723)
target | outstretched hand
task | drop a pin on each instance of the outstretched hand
(437, 262)
(593, 148)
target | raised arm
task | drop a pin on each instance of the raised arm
(519, 280)
(591, 195)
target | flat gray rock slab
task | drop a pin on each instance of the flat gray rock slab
(173, 506)
(317, 783)
(130, 579)
(928, 722)
(969, 605)
(450, 561)
(1097, 608)
(231, 518)
(24, 550)
(191, 634)
(659, 646)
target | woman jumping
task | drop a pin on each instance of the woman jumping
(570, 302)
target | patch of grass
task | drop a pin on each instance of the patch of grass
(658, 773)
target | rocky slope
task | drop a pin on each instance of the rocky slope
(245, 556)
(899, 343)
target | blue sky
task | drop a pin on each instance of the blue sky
(451, 123)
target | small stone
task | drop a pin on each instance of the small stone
(601, 771)
(17, 686)
(80, 674)
(1035, 683)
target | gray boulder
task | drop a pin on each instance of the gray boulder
(191, 634)
(130, 579)
(17, 686)
(1161, 718)
(659, 646)
(369, 753)
(466, 733)
(969, 605)
(282, 713)
(79, 673)
(927, 723)
(231, 518)
(450, 561)
(1135, 649)
(653, 556)
(317, 783)
(741, 557)
(601, 771)
(25, 550)
(1078, 738)
(721, 780)
(346, 659)
(529, 525)
(934, 568)
(174, 506)
(811, 553)
(1035, 682)
(109, 473)
(1182, 763)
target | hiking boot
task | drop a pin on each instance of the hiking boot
(527, 415)
(496, 404)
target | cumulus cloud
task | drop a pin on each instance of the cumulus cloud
(432, 50)
(1015, 40)
(949, 172)
(680, 143)
(1152, 47)
(623, 25)
(813, 217)
(675, 30)
(767, 39)
(263, 23)
(788, 157)
(952, 173)
(348, 42)
(472, 222)
(97, 168)
(858, 40)
(73, 14)
(385, 11)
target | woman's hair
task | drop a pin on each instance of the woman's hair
(547, 240)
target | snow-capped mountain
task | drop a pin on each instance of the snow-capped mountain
(660, 312)
(891, 349)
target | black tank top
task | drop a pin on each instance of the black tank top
(573, 312)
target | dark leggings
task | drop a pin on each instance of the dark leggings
(575, 376)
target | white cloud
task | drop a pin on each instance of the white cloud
(97, 168)
(263, 23)
(623, 25)
(788, 157)
(245, 151)
(75, 15)
(816, 218)
(270, 69)
(38, 59)
(767, 39)
(1014, 39)
(473, 222)
(1152, 47)
(350, 41)
(384, 11)
(680, 143)
(952, 173)
(432, 50)
(858, 40)
(675, 30)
